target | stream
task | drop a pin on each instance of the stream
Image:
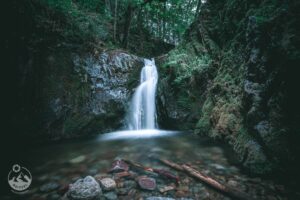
(55, 166)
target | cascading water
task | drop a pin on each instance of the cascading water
(142, 112)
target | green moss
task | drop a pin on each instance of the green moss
(204, 125)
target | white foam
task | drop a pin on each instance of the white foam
(136, 134)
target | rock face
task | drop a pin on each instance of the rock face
(84, 189)
(234, 79)
(79, 94)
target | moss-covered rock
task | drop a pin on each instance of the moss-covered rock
(231, 79)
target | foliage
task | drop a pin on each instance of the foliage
(186, 64)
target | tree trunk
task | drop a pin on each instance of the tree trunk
(115, 20)
(198, 9)
(128, 18)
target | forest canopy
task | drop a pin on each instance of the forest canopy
(165, 20)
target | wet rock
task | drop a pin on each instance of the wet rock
(159, 198)
(84, 189)
(92, 171)
(147, 183)
(182, 191)
(122, 174)
(110, 196)
(78, 159)
(218, 166)
(108, 184)
(119, 166)
(166, 188)
(129, 184)
(48, 187)
(122, 191)
(232, 183)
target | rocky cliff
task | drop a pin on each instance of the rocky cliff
(235, 78)
(65, 79)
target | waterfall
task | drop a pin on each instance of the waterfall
(142, 112)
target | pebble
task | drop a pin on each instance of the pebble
(119, 166)
(111, 196)
(159, 198)
(166, 188)
(92, 171)
(129, 184)
(122, 174)
(48, 187)
(78, 159)
(84, 189)
(182, 191)
(232, 183)
(108, 184)
(147, 183)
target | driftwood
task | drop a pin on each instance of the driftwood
(138, 165)
(237, 194)
(160, 172)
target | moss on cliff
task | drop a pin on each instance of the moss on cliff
(231, 76)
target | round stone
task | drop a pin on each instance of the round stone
(84, 189)
(108, 184)
(147, 183)
(119, 166)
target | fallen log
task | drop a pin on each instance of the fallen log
(161, 172)
(237, 194)
(138, 165)
(171, 164)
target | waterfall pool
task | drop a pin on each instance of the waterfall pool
(55, 166)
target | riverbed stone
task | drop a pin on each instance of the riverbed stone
(119, 166)
(77, 159)
(84, 189)
(159, 198)
(147, 183)
(111, 196)
(108, 184)
(166, 188)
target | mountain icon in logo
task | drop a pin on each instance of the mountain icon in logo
(19, 178)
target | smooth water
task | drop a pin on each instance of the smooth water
(142, 112)
(64, 163)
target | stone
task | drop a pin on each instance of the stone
(48, 187)
(111, 196)
(119, 166)
(78, 159)
(166, 188)
(159, 198)
(108, 184)
(122, 174)
(182, 191)
(232, 183)
(147, 183)
(84, 189)
(129, 184)
(92, 171)
(122, 191)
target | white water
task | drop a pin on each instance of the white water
(142, 112)
(136, 134)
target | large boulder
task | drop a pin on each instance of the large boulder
(84, 189)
